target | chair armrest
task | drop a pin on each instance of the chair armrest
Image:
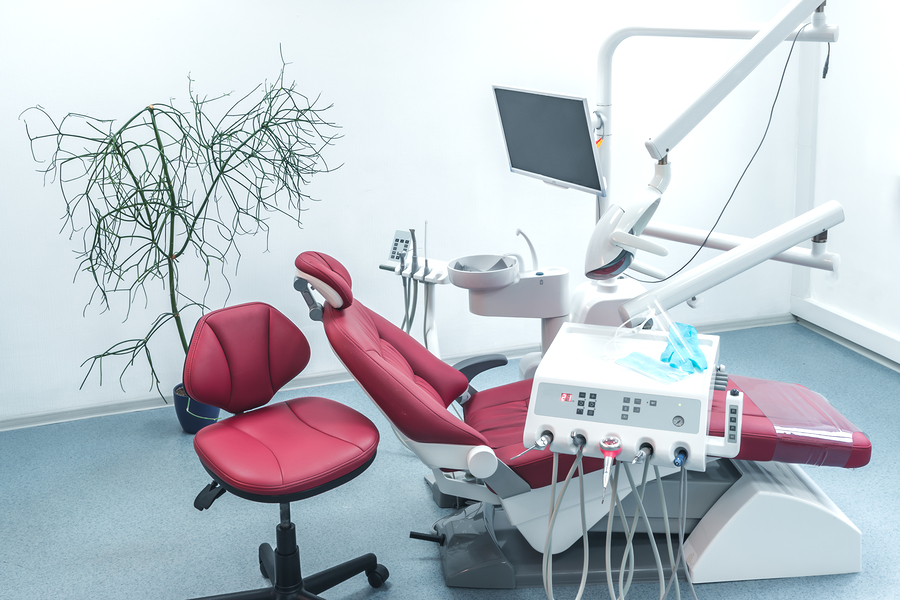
(471, 367)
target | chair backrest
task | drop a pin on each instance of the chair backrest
(411, 386)
(240, 356)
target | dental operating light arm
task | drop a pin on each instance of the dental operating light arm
(762, 44)
(820, 32)
(612, 246)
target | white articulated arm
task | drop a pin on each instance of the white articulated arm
(725, 266)
(762, 44)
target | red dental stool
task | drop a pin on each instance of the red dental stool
(239, 357)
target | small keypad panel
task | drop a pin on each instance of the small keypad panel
(733, 424)
(400, 244)
(648, 411)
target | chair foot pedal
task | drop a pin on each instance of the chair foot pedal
(428, 537)
(208, 495)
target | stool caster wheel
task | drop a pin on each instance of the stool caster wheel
(267, 562)
(378, 576)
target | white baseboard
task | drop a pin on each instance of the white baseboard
(115, 408)
(748, 323)
(338, 377)
(870, 340)
(302, 382)
(84, 412)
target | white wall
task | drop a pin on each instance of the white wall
(410, 83)
(858, 163)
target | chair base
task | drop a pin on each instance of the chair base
(732, 540)
(314, 584)
(281, 566)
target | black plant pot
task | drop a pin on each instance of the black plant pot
(193, 415)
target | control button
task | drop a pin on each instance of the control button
(580, 411)
(624, 417)
(653, 403)
(592, 404)
(581, 394)
(590, 413)
(732, 437)
(636, 409)
(732, 419)
(732, 428)
(593, 396)
(637, 400)
(581, 403)
(626, 400)
(624, 409)
(733, 410)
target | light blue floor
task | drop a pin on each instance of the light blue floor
(102, 508)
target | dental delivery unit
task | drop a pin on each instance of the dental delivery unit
(625, 452)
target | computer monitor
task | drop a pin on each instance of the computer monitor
(550, 137)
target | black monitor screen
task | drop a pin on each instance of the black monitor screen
(549, 137)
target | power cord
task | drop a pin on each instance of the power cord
(747, 168)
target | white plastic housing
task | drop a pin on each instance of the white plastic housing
(536, 294)
(628, 404)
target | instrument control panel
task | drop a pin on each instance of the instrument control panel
(598, 405)
(401, 243)
(581, 391)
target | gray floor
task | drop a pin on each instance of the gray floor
(102, 508)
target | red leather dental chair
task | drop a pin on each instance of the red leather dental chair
(414, 389)
(475, 457)
(239, 357)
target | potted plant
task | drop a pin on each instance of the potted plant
(172, 186)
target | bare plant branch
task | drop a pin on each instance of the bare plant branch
(170, 185)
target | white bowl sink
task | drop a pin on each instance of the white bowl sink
(483, 271)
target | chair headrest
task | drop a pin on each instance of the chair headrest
(327, 276)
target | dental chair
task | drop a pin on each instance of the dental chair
(238, 359)
(736, 508)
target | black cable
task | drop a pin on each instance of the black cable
(747, 168)
(827, 60)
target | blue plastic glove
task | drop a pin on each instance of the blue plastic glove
(683, 350)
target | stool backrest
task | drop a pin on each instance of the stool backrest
(240, 356)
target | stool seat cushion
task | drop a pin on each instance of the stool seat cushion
(296, 448)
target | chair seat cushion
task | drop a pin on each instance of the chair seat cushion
(289, 450)
(782, 422)
(499, 415)
(786, 422)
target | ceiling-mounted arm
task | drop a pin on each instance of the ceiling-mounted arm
(762, 44)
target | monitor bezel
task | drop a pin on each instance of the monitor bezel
(546, 178)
